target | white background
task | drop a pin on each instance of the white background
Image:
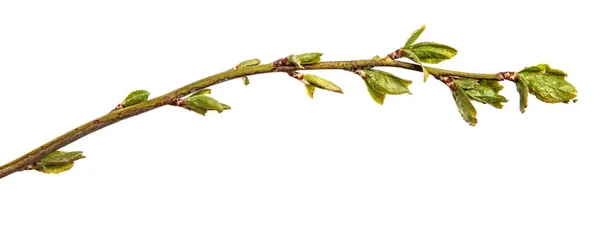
(281, 165)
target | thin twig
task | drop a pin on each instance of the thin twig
(117, 115)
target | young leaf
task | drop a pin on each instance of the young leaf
(430, 52)
(135, 97)
(304, 59)
(377, 96)
(547, 84)
(385, 83)
(485, 91)
(206, 102)
(465, 107)
(58, 162)
(322, 83)
(310, 90)
(246, 80)
(61, 158)
(201, 92)
(523, 93)
(410, 55)
(413, 37)
(250, 62)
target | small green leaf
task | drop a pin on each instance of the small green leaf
(377, 96)
(61, 158)
(203, 101)
(547, 84)
(410, 55)
(322, 83)
(246, 80)
(304, 59)
(485, 91)
(310, 90)
(58, 162)
(523, 94)
(135, 97)
(201, 92)
(386, 83)
(250, 62)
(430, 52)
(413, 37)
(465, 107)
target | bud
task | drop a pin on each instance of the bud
(203, 101)
(251, 62)
(304, 59)
(135, 97)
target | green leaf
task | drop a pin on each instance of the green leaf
(410, 55)
(322, 83)
(61, 158)
(386, 83)
(203, 101)
(430, 52)
(135, 97)
(246, 80)
(413, 37)
(465, 107)
(58, 162)
(304, 59)
(310, 90)
(523, 94)
(377, 96)
(547, 84)
(485, 91)
(250, 62)
(201, 92)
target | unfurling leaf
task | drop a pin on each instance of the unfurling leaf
(310, 90)
(377, 96)
(410, 55)
(246, 80)
(523, 94)
(304, 59)
(58, 162)
(250, 62)
(201, 92)
(135, 97)
(386, 83)
(322, 83)
(430, 52)
(484, 91)
(465, 107)
(413, 37)
(547, 84)
(203, 101)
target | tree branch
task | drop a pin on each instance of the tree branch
(112, 117)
